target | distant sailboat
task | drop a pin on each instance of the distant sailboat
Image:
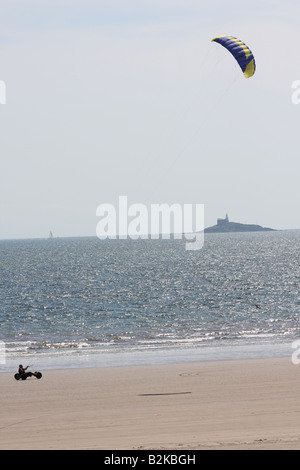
(50, 235)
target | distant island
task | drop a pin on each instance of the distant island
(224, 226)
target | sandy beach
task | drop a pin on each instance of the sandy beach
(248, 404)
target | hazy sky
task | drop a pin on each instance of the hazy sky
(114, 97)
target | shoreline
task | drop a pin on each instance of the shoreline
(236, 404)
(81, 359)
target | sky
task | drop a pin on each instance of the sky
(113, 98)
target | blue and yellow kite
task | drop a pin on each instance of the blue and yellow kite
(240, 52)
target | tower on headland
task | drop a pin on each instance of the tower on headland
(223, 221)
(224, 226)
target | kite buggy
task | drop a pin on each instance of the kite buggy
(22, 374)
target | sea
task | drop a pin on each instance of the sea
(85, 302)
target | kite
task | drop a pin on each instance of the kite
(240, 52)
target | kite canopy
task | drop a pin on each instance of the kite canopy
(240, 52)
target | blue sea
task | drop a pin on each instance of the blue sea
(85, 302)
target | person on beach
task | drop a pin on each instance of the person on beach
(22, 370)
